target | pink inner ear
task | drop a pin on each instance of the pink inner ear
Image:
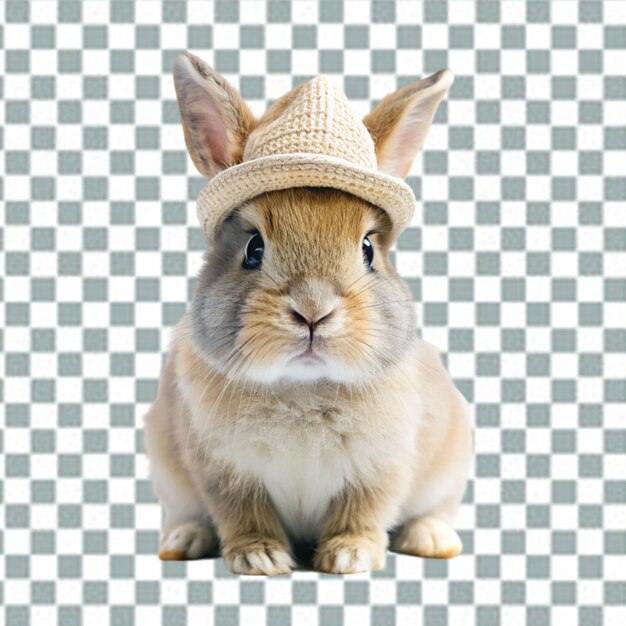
(213, 133)
(203, 118)
(206, 124)
(400, 149)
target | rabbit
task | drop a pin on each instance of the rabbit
(358, 438)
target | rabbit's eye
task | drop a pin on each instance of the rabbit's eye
(368, 251)
(254, 252)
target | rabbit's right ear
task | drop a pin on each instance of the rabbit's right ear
(215, 118)
(400, 122)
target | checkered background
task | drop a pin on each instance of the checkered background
(516, 258)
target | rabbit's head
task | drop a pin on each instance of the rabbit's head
(297, 283)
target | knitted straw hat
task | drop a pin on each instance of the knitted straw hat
(317, 141)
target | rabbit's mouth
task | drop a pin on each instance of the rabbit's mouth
(309, 355)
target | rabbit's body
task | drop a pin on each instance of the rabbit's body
(297, 402)
(304, 445)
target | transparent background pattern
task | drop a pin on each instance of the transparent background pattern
(516, 258)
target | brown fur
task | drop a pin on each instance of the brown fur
(329, 228)
(173, 555)
(353, 521)
(245, 516)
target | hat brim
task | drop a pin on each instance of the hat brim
(242, 182)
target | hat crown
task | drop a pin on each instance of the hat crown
(318, 120)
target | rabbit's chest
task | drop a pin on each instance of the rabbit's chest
(301, 483)
(302, 461)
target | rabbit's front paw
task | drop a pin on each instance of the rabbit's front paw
(428, 537)
(187, 541)
(258, 555)
(350, 554)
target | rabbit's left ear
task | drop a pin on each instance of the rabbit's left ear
(401, 120)
(215, 118)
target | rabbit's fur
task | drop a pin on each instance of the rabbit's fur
(253, 452)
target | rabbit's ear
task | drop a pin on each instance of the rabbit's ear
(401, 120)
(215, 118)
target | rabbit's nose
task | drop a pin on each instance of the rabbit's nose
(309, 322)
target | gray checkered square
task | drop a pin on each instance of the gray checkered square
(516, 259)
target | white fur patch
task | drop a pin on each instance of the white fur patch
(270, 562)
(429, 537)
(191, 539)
(306, 371)
(301, 479)
(353, 561)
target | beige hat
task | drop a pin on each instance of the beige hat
(317, 141)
